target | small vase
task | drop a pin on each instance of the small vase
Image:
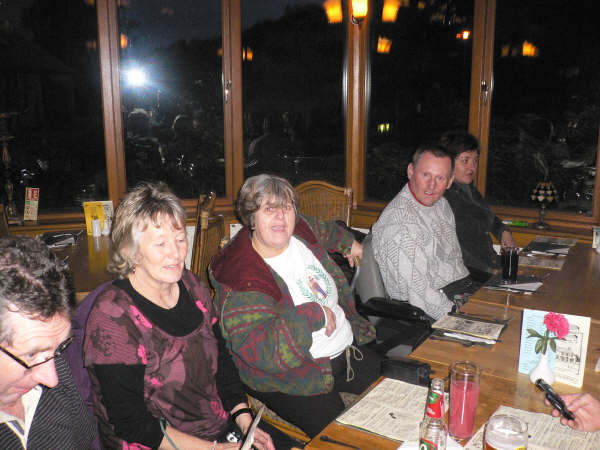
(542, 370)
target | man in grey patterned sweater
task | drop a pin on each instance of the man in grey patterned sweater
(415, 242)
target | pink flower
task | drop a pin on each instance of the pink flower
(217, 408)
(155, 382)
(138, 318)
(557, 323)
(134, 446)
(142, 354)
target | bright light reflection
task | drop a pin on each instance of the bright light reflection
(390, 10)
(136, 77)
(333, 9)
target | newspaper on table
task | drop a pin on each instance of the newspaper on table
(471, 326)
(545, 433)
(393, 409)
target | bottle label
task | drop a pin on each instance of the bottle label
(435, 405)
(424, 444)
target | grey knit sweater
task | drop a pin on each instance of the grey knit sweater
(418, 253)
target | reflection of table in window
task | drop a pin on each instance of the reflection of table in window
(87, 260)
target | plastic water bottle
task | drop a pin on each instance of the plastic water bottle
(434, 430)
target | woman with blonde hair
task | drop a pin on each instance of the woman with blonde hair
(160, 373)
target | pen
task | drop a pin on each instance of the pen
(326, 438)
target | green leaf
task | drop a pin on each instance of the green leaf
(553, 345)
(533, 333)
(538, 345)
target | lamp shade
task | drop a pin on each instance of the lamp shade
(359, 9)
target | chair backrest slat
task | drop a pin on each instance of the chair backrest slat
(208, 236)
(325, 201)
(3, 222)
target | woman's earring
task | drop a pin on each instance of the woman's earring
(133, 269)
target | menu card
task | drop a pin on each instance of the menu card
(545, 433)
(393, 409)
(568, 362)
(97, 210)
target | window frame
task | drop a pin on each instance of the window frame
(356, 98)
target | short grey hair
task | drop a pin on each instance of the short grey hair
(34, 282)
(144, 205)
(256, 189)
(439, 151)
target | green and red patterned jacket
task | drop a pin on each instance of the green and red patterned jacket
(268, 336)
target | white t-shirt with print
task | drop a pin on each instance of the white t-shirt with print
(307, 281)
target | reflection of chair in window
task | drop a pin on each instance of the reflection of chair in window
(210, 231)
(324, 201)
(3, 222)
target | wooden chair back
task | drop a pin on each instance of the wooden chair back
(324, 200)
(3, 222)
(208, 237)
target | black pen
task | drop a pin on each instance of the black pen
(326, 438)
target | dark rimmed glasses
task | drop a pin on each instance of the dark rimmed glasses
(59, 351)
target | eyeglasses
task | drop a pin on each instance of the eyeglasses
(59, 351)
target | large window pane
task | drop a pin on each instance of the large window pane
(546, 102)
(172, 94)
(292, 81)
(50, 79)
(420, 61)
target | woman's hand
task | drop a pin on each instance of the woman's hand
(507, 240)
(262, 440)
(330, 324)
(355, 252)
(586, 409)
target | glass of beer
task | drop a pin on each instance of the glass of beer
(504, 432)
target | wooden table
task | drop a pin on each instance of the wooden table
(502, 359)
(87, 260)
(573, 290)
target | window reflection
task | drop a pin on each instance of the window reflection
(49, 77)
(420, 58)
(293, 117)
(172, 94)
(545, 114)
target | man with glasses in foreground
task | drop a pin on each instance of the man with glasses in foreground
(40, 406)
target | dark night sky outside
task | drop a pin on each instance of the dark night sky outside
(166, 21)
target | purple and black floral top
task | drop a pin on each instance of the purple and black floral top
(140, 372)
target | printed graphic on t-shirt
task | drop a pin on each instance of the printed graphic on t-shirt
(315, 285)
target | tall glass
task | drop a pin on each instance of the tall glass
(504, 432)
(510, 264)
(464, 395)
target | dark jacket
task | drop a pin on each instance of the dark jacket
(474, 223)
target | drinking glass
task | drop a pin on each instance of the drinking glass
(464, 395)
(510, 264)
(504, 432)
